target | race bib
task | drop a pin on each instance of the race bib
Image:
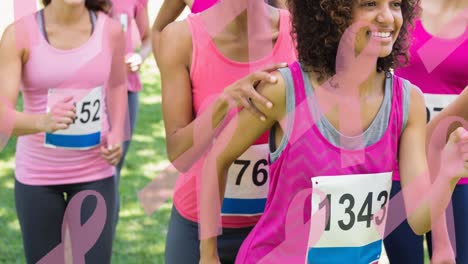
(85, 131)
(436, 103)
(354, 205)
(247, 183)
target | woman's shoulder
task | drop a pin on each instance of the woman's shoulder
(178, 33)
(21, 32)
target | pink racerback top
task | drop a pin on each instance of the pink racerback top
(210, 73)
(201, 5)
(307, 154)
(125, 11)
(449, 77)
(85, 67)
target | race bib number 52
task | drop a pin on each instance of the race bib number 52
(85, 131)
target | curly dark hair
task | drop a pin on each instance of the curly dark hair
(93, 5)
(317, 27)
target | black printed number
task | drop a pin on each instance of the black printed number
(383, 195)
(365, 212)
(259, 174)
(327, 204)
(366, 215)
(97, 106)
(89, 112)
(428, 112)
(349, 211)
(245, 164)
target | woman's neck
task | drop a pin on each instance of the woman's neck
(373, 85)
(370, 87)
(61, 13)
(253, 10)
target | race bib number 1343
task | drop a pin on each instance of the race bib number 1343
(356, 209)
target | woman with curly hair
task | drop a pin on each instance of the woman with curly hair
(68, 62)
(341, 127)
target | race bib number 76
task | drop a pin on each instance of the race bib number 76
(247, 183)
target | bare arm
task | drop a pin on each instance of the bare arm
(176, 89)
(234, 140)
(180, 123)
(116, 95)
(415, 174)
(441, 246)
(10, 77)
(142, 22)
(457, 108)
(168, 13)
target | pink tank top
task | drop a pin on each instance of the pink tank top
(441, 81)
(210, 73)
(125, 11)
(84, 68)
(201, 5)
(282, 234)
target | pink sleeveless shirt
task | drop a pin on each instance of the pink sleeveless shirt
(281, 235)
(440, 81)
(210, 73)
(201, 5)
(125, 11)
(85, 67)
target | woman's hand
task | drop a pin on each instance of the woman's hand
(133, 61)
(454, 156)
(60, 117)
(209, 251)
(243, 92)
(112, 154)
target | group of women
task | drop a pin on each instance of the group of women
(294, 128)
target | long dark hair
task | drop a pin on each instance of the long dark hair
(93, 5)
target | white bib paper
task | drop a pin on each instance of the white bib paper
(351, 234)
(435, 103)
(247, 183)
(85, 132)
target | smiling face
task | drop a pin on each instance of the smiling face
(385, 20)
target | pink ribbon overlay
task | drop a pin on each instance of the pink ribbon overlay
(160, 189)
(83, 237)
(352, 69)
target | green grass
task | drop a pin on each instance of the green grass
(140, 238)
